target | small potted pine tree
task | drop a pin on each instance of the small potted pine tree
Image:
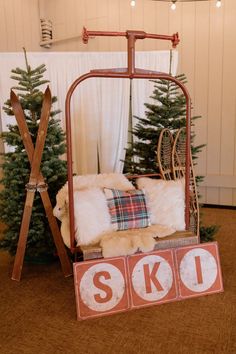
(16, 167)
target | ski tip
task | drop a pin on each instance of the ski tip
(13, 95)
(48, 93)
(13, 98)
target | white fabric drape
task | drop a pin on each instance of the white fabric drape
(142, 89)
(100, 107)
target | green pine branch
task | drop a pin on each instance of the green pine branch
(16, 167)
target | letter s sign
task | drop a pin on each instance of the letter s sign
(102, 287)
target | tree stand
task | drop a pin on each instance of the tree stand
(36, 183)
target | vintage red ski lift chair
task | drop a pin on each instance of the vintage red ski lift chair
(173, 156)
(177, 267)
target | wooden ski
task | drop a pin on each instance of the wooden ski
(36, 183)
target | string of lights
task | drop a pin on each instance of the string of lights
(174, 2)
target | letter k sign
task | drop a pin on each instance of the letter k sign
(152, 278)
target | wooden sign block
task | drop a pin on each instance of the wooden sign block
(118, 284)
(101, 287)
(152, 278)
(199, 270)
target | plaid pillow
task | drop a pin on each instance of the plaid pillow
(128, 210)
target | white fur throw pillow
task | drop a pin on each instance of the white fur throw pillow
(92, 217)
(103, 180)
(166, 201)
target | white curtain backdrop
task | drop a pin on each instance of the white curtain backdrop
(143, 89)
(100, 107)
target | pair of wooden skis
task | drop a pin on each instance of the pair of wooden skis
(36, 183)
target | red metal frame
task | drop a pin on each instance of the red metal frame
(131, 72)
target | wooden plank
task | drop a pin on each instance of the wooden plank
(228, 122)
(91, 252)
(234, 197)
(137, 21)
(56, 15)
(19, 42)
(34, 22)
(80, 23)
(226, 196)
(3, 29)
(91, 9)
(175, 25)
(26, 24)
(201, 87)
(113, 23)
(70, 20)
(149, 20)
(102, 24)
(162, 24)
(214, 98)
(8, 8)
(125, 11)
(201, 194)
(212, 195)
(221, 181)
(178, 239)
(91, 13)
(188, 45)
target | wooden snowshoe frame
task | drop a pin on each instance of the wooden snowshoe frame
(171, 152)
(131, 72)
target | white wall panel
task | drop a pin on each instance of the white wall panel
(201, 85)
(19, 25)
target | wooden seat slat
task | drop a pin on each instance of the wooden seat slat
(177, 239)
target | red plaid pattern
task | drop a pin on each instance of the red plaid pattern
(128, 210)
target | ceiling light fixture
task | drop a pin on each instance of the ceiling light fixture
(132, 3)
(173, 2)
(173, 5)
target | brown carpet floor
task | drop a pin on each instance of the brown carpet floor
(38, 314)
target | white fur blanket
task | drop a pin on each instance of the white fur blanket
(92, 220)
(123, 243)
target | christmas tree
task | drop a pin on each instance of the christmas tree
(167, 111)
(16, 167)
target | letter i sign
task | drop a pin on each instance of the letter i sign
(118, 284)
(198, 270)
